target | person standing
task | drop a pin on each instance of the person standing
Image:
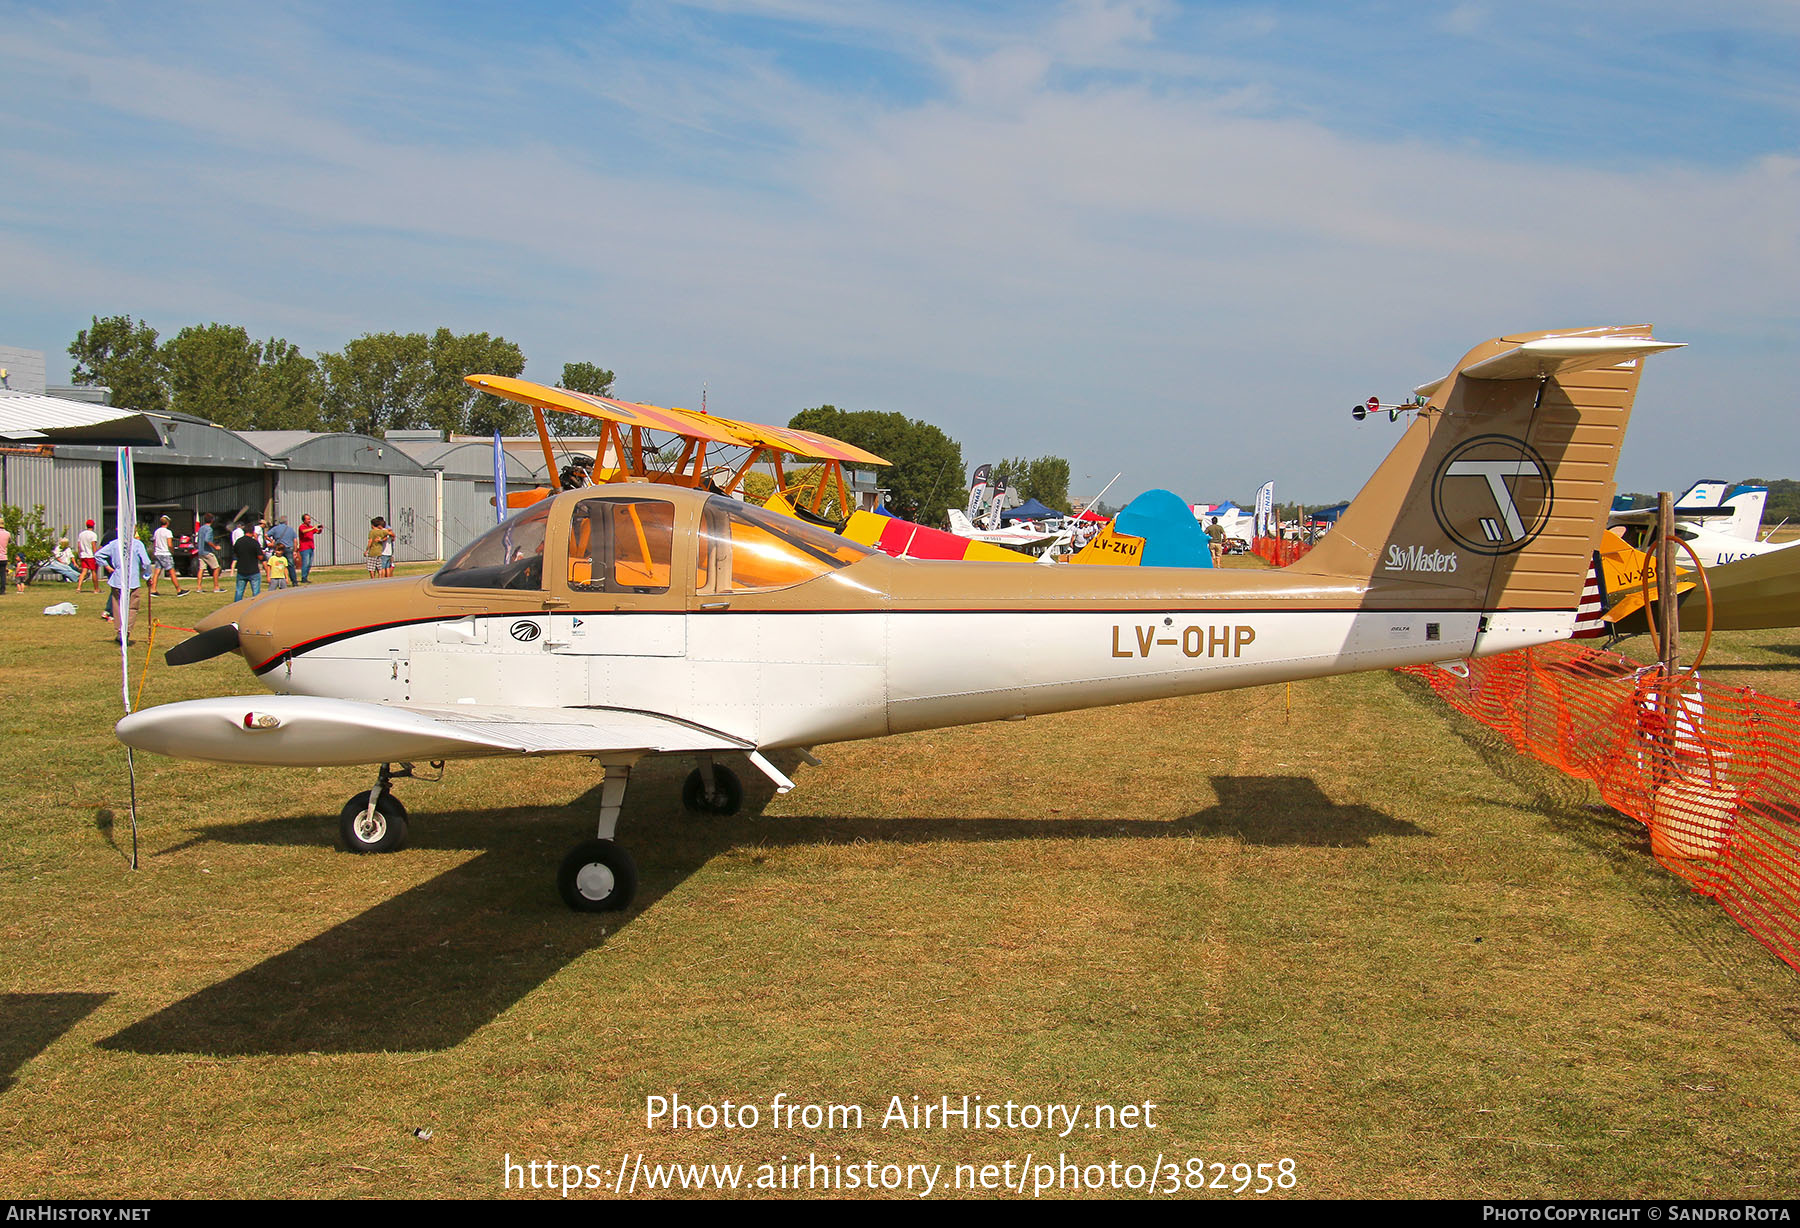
(206, 553)
(380, 552)
(162, 557)
(247, 557)
(281, 540)
(87, 544)
(305, 537)
(5, 556)
(127, 572)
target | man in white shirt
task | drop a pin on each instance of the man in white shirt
(162, 557)
(87, 545)
(127, 568)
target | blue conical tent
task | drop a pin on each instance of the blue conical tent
(1172, 537)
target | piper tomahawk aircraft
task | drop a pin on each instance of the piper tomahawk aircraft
(637, 619)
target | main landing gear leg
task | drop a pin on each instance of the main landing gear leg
(598, 875)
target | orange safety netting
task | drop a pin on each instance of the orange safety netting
(1713, 771)
(1277, 552)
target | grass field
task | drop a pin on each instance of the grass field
(1341, 926)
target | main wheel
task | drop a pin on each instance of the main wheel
(597, 876)
(381, 832)
(726, 801)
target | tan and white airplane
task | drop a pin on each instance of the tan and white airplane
(638, 619)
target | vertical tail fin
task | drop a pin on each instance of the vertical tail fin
(1746, 504)
(1496, 495)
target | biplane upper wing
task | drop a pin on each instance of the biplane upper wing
(313, 731)
(808, 445)
(710, 427)
(625, 413)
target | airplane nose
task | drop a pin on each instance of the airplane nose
(204, 646)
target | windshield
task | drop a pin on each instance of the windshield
(509, 555)
(745, 548)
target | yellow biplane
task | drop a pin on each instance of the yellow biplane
(717, 453)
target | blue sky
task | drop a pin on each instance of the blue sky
(1174, 240)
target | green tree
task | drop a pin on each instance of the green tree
(32, 539)
(450, 404)
(1045, 479)
(211, 367)
(285, 388)
(757, 487)
(926, 464)
(377, 382)
(121, 353)
(588, 378)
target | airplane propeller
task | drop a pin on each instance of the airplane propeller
(204, 646)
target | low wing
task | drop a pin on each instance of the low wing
(310, 731)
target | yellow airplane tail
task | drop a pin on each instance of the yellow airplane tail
(1496, 495)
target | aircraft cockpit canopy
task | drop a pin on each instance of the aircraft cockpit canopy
(509, 555)
(746, 549)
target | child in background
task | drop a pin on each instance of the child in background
(278, 569)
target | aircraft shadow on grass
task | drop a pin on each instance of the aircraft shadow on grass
(32, 1022)
(424, 970)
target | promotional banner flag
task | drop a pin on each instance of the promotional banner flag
(128, 561)
(1265, 510)
(499, 478)
(998, 505)
(978, 491)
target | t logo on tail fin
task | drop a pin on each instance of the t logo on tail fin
(1492, 494)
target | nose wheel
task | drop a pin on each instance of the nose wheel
(373, 821)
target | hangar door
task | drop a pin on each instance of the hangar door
(300, 492)
(468, 511)
(412, 502)
(70, 490)
(355, 499)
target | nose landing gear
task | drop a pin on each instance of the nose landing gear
(374, 821)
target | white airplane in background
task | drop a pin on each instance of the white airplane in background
(636, 618)
(1018, 537)
(1718, 525)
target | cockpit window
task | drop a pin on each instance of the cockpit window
(746, 549)
(621, 545)
(509, 555)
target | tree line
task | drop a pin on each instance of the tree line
(376, 383)
(411, 381)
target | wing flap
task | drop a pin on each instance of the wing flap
(311, 731)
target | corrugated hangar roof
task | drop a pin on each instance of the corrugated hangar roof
(466, 458)
(33, 417)
(333, 451)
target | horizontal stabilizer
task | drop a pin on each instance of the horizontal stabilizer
(1551, 356)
